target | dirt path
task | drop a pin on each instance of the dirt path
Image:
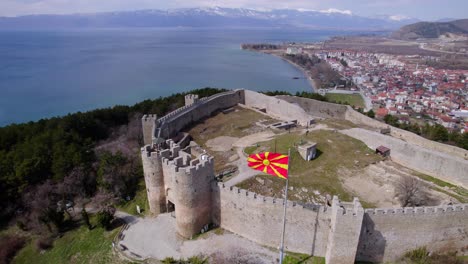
(244, 171)
(223, 143)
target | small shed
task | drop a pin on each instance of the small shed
(307, 150)
(385, 131)
(382, 150)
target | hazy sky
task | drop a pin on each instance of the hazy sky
(422, 9)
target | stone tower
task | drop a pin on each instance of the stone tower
(194, 196)
(148, 123)
(343, 239)
(191, 99)
(154, 179)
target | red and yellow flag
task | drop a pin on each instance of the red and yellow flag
(271, 163)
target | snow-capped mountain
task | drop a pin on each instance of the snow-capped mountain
(210, 17)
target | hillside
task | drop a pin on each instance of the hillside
(431, 29)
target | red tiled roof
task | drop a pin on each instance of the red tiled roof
(381, 112)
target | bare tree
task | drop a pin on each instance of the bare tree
(411, 191)
(41, 206)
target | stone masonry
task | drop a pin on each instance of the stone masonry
(342, 233)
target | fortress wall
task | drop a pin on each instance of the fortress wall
(277, 107)
(259, 219)
(358, 118)
(331, 110)
(317, 108)
(387, 234)
(148, 122)
(441, 165)
(175, 121)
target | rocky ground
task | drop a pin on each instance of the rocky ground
(156, 238)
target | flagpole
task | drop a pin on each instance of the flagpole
(284, 214)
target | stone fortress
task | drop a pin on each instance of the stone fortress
(181, 178)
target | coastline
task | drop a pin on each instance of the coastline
(311, 80)
(312, 83)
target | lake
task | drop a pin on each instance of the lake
(51, 73)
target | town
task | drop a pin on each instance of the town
(397, 86)
(402, 88)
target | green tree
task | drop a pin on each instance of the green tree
(371, 113)
(439, 133)
(105, 217)
(85, 217)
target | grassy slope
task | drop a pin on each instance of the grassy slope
(76, 246)
(337, 152)
(457, 192)
(140, 199)
(235, 124)
(351, 99)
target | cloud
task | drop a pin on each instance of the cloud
(334, 10)
(398, 17)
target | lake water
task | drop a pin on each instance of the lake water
(50, 73)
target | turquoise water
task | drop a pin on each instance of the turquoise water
(50, 73)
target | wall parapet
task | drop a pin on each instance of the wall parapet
(202, 101)
(243, 194)
(418, 210)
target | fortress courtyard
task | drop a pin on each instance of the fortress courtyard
(344, 166)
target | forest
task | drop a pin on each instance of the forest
(51, 163)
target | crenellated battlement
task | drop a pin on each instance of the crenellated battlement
(190, 106)
(418, 210)
(343, 232)
(178, 160)
(148, 151)
(190, 167)
(149, 117)
(251, 197)
(191, 99)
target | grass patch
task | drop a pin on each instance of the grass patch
(423, 256)
(297, 258)
(461, 199)
(191, 260)
(461, 193)
(250, 150)
(336, 152)
(239, 123)
(338, 123)
(76, 246)
(349, 99)
(140, 199)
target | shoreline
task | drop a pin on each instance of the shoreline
(309, 78)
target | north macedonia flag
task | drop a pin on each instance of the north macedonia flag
(271, 163)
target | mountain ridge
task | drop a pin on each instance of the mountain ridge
(208, 17)
(431, 29)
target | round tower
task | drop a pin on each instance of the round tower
(154, 179)
(193, 197)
